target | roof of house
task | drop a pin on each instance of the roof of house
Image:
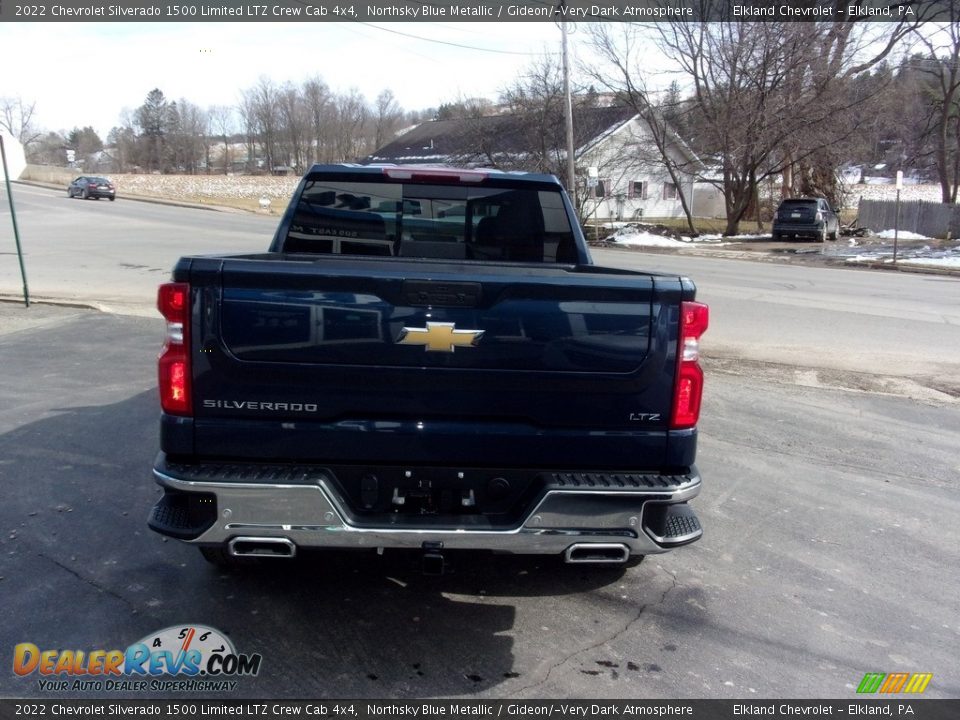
(457, 141)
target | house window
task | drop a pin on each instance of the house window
(602, 188)
(638, 190)
(669, 191)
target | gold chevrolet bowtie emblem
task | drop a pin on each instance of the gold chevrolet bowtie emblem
(439, 337)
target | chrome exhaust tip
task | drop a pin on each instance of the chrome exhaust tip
(611, 553)
(261, 547)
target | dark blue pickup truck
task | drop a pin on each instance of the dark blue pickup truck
(427, 358)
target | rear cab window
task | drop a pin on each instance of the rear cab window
(382, 216)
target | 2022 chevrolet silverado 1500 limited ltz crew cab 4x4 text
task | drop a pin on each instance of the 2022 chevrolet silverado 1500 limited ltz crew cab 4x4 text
(427, 358)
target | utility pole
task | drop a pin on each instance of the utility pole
(571, 172)
(13, 217)
(896, 219)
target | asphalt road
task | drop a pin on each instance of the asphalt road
(113, 254)
(858, 321)
(829, 506)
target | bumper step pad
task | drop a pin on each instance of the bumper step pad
(183, 515)
(672, 525)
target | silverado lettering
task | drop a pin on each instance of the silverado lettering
(428, 359)
(255, 405)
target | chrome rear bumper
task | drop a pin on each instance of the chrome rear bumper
(312, 515)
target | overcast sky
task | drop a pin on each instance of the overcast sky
(87, 73)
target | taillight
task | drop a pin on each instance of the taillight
(173, 301)
(688, 390)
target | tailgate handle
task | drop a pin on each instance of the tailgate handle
(432, 293)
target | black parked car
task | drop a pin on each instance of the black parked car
(92, 187)
(805, 217)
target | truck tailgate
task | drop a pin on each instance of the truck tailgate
(343, 351)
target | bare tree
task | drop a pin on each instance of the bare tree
(387, 118)
(48, 149)
(190, 136)
(123, 140)
(317, 98)
(536, 97)
(221, 123)
(266, 108)
(301, 125)
(16, 116)
(295, 119)
(619, 50)
(769, 95)
(251, 125)
(351, 116)
(942, 91)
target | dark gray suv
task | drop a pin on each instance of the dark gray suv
(805, 217)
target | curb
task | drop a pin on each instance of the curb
(766, 256)
(79, 304)
(912, 268)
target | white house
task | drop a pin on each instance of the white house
(632, 181)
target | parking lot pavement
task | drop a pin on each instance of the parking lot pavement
(14, 316)
(828, 553)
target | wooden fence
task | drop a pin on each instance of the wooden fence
(919, 216)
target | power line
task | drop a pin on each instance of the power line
(453, 44)
(446, 42)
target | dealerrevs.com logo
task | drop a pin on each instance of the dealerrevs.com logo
(188, 658)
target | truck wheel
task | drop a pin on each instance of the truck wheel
(823, 235)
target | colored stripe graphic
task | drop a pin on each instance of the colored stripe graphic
(871, 682)
(894, 682)
(918, 682)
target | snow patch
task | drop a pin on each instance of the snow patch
(631, 234)
(925, 258)
(902, 235)
(645, 239)
(949, 261)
